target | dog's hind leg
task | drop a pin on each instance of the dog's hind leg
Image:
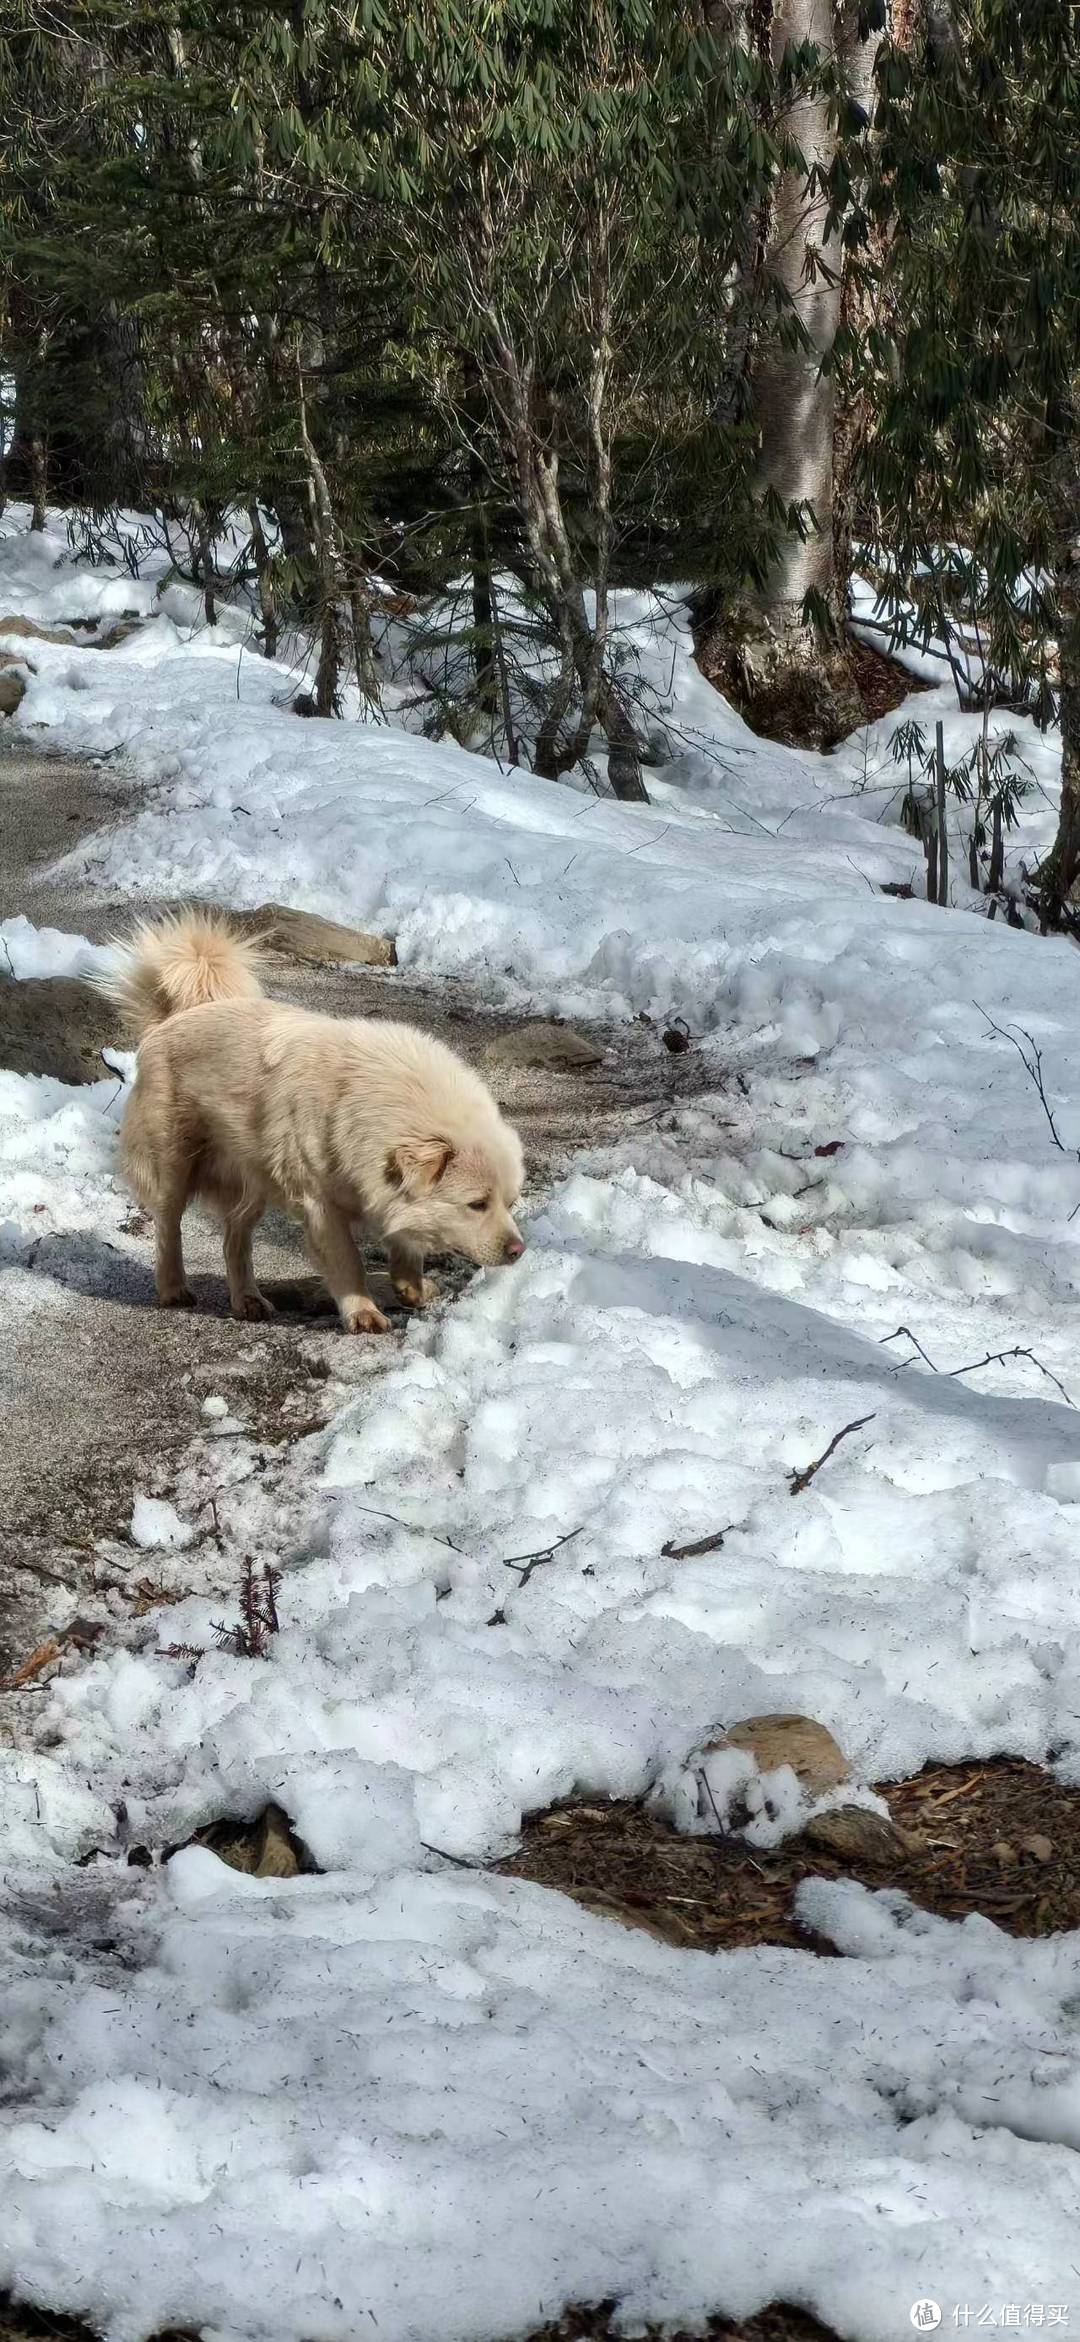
(174, 1187)
(245, 1299)
(335, 1253)
(407, 1273)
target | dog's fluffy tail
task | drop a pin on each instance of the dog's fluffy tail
(178, 962)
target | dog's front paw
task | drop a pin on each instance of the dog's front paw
(360, 1316)
(414, 1292)
(175, 1297)
(253, 1306)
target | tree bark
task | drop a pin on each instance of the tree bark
(1059, 875)
(204, 545)
(264, 579)
(367, 673)
(791, 678)
(39, 480)
(330, 567)
(485, 676)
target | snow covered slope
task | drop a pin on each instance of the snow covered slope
(438, 2103)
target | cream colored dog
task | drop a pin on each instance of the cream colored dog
(336, 1120)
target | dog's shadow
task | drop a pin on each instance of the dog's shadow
(79, 1261)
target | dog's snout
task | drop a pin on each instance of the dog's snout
(513, 1248)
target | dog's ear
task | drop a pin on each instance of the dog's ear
(419, 1165)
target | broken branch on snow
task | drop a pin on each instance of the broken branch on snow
(801, 1479)
(992, 1358)
(525, 1563)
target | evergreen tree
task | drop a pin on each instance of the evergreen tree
(978, 436)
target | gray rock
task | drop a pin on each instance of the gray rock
(302, 935)
(545, 1044)
(856, 1834)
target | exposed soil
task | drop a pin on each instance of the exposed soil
(796, 712)
(54, 1025)
(882, 681)
(779, 2323)
(968, 1829)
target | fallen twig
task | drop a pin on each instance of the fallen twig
(801, 1479)
(915, 1342)
(459, 1861)
(416, 1528)
(1033, 1068)
(525, 1563)
(992, 1358)
(704, 1782)
(709, 1544)
(1002, 1357)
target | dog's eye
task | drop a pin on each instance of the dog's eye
(480, 1204)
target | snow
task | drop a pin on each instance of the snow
(28, 951)
(155, 1523)
(311, 2108)
(57, 1151)
(414, 2095)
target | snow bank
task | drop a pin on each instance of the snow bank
(27, 951)
(623, 1390)
(57, 1153)
(448, 2106)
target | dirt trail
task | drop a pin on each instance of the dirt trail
(100, 1393)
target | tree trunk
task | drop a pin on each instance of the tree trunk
(1059, 874)
(264, 578)
(535, 469)
(483, 643)
(327, 698)
(486, 680)
(367, 673)
(329, 563)
(793, 679)
(39, 480)
(201, 532)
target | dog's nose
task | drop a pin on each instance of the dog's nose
(513, 1248)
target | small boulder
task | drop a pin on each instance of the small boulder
(265, 1848)
(816, 1759)
(857, 1834)
(111, 636)
(542, 1043)
(1039, 1846)
(302, 935)
(31, 630)
(12, 690)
